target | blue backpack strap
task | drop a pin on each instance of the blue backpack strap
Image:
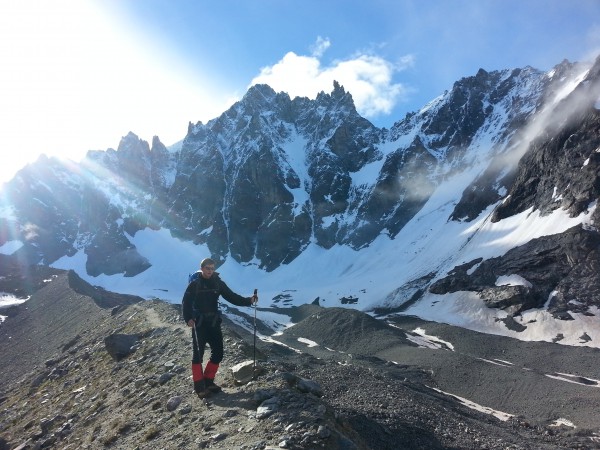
(193, 276)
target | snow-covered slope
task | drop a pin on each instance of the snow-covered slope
(385, 274)
(308, 202)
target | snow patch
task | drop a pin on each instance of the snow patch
(274, 341)
(421, 338)
(562, 422)
(496, 362)
(467, 310)
(7, 300)
(512, 280)
(477, 407)
(8, 248)
(575, 379)
(308, 342)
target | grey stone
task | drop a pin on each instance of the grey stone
(243, 372)
(120, 346)
(174, 402)
(323, 432)
(165, 377)
(309, 386)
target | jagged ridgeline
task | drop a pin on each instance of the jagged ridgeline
(477, 211)
(273, 174)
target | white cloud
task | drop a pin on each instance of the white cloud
(369, 78)
(320, 46)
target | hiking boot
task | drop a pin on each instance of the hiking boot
(200, 389)
(211, 386)
(203, 394)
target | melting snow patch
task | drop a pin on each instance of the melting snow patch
(473, 269)
(275, 321)
(562, 422)
(425, 340)
(308, 342)
(512, 280)
(575, 379)
(497, 362)
(7, 299)
(273, 341)
(8, 248)
(242, 322)
(555, 196)
(484, 409)
(507, 363)
(467, 310)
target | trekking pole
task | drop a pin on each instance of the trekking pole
(196, 340)
(254, 367)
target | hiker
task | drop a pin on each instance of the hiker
(201, 313)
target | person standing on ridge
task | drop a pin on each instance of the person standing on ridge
(201, 313)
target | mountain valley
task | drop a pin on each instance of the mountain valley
(431, 285)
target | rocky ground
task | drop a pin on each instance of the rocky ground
(123, 381)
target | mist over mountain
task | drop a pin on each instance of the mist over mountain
(486, 196)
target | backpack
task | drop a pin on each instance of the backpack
(193, 276)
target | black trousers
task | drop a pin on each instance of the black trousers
(208, 330)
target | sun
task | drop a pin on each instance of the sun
(83, 74)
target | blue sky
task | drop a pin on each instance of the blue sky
(79, 74)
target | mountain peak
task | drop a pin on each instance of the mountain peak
(259, 95)
(131, 143)
(338, 98)
(338, 90)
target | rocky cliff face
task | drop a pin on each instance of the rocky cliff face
(560, 170)
(273, 174)
(559, 269)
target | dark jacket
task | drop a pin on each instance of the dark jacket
(202, 297)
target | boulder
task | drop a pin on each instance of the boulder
(514, 299)
(120, 346)
(243, 372)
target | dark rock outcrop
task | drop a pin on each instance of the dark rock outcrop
(562, 167)
(561, 270)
